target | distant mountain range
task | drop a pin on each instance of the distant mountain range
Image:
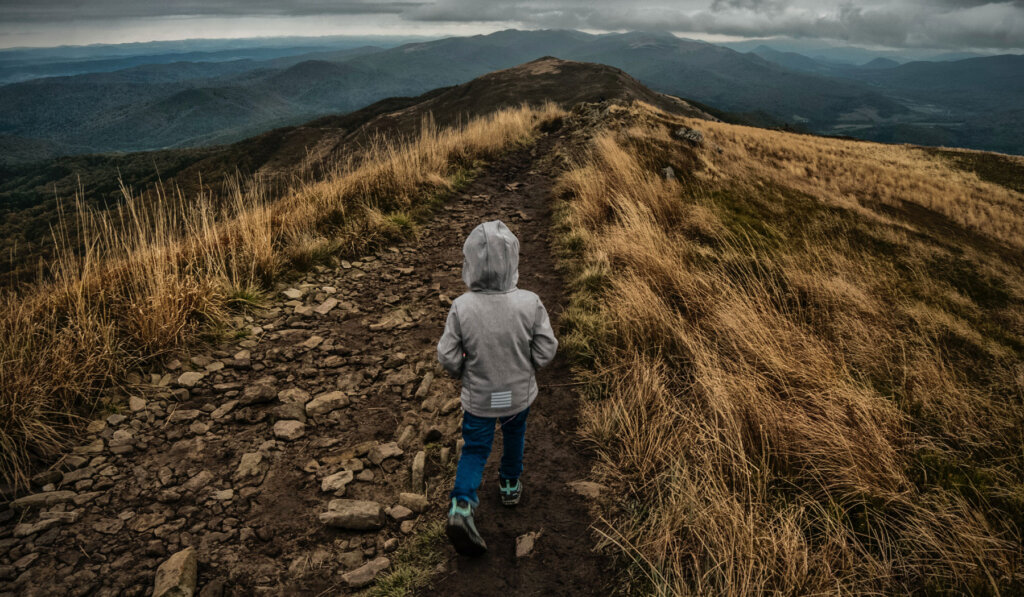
(202, 101)
(23, 64)
(834, 53)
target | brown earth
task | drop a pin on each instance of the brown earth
(166, 475)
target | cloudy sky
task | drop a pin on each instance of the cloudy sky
(946, 24)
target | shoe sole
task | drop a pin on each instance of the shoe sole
(462, 539)
(509, 503)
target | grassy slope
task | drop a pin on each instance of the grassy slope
(153, 276)
(803, 360)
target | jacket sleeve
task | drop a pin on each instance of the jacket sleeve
(449, 349)
(543, 345)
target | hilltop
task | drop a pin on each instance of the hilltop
(789, 364)
(29, 194)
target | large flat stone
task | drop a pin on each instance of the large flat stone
(39, 500)
(356, 515)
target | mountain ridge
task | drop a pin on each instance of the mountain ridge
(96, 109)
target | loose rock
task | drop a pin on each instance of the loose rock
(291, 410)
(364, 575)
(380, 452)
(223, 410)
(313, 341)
(325, 307)
(424, 389)
(337, 482)
(296, 395)
(176, 577)
(183, 415)
(199, 481)
(326, 403)
(525, 544)
(249, 465)
(47, 478)
(108, 526)
(26, 529)
(414, 501)
(451, 405)
(189, 379)
(289, 430)
(259, 393)
(418, 466)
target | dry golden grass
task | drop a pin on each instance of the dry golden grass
(153, 275)
(860, 176)
(795, 389)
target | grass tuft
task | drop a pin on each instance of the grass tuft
(414, 564)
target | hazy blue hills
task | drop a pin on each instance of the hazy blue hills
(22, 64)
(181, 104)
(794, 60)
(996, 81)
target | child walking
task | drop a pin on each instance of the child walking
(495, 338)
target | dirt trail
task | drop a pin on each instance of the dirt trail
(229, 452)
(563, 561)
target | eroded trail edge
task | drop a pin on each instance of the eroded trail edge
(335, 395)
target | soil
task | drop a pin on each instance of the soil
(166, 475)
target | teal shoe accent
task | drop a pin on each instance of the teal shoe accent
(466, 510)
(510, 491)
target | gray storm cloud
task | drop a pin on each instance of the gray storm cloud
(955, 24)
(943, 24)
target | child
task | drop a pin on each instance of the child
(496, 337)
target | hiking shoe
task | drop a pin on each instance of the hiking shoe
(510, 491)
(461, 529)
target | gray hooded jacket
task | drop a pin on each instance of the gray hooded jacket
(497, 335)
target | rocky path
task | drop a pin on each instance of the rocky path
(298, 459)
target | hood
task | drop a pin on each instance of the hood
(491, 258)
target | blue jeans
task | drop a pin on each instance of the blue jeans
(478, 435)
